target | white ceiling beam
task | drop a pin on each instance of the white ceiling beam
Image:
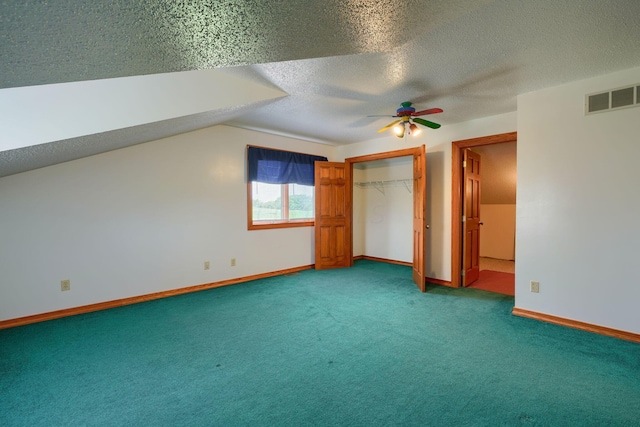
(41, 114)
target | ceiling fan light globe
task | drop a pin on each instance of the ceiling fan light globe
(414, 130)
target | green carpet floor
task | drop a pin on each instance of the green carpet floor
(357, 347)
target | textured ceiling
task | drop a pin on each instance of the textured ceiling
(62, 41)
(338, 61)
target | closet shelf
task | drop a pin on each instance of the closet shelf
(381, 185)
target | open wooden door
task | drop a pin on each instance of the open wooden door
(333, 215)
(471, 217)
(419, 217)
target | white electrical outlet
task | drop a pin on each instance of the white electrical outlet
(65, 285)
(535, 286)
(233, 262)
(207, 265)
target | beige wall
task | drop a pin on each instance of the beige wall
(498, 200)
(499, 173)
(498, 234)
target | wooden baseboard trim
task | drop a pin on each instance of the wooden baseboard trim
(408, 264)
(616, 333)
(438, 282)
(27, 320)
(388, 261)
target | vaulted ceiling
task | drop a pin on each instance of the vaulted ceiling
(83, 77)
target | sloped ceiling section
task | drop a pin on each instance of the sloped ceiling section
(56, 42)
(49, 124)
(41, 155)
(114, 73)
(69, 110)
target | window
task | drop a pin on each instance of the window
(281, 203)
(280, 191)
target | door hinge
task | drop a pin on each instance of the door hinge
(462, 273)
(464, 218)
(464, 163)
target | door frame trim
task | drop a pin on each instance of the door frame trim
(406, 152)
(457, 148)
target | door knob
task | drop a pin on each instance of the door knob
(481, 223)
(428, 226)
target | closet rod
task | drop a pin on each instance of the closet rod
(381, 185)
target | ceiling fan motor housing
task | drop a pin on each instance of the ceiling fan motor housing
(407, 115)
(405, 110)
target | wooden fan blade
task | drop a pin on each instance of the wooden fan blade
(426, 123)
(425, 112)
(388, 126)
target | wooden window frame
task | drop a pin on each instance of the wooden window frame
(276, 223)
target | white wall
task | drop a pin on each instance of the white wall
(438, 144)
(577, 228)
(139, 220)
(382, 216)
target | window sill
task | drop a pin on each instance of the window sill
(282, 224)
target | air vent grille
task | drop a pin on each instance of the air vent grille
(599, 102)
(613, 99)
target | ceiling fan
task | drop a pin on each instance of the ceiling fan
(407, 115)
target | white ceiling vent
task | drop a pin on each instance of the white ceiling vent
(613, 99)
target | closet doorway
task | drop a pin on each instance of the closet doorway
(416, 185)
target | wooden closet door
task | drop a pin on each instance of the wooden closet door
(419, 217)
(333, 215)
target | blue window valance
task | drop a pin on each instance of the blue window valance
(281, 167)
